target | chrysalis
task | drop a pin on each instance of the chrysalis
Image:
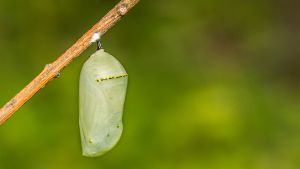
(103, 84)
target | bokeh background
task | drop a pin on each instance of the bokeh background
(213, 84)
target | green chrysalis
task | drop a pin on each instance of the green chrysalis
(103, 85)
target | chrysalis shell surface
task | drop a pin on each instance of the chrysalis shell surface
(103, 84)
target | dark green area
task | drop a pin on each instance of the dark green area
(212, 84)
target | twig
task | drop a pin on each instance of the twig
(53, 70)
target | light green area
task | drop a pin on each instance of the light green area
(101, 103)
(213, 84)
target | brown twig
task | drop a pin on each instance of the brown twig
(53, 70)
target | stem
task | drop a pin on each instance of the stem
(53, 70)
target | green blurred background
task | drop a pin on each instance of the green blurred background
(213, 84)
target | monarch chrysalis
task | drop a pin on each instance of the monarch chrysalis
(103, 84)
